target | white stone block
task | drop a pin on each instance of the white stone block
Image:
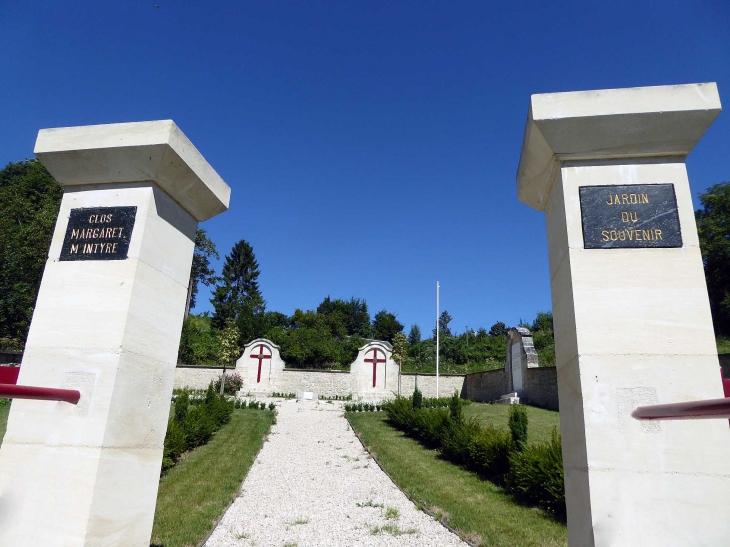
(87, 474)
(632, 325)
(260, 366)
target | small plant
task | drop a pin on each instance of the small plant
(455, 408)
(234, 382)
(391, 513)
(518, 425)
(369, 503)
(182, 403)
(272, 406)
(417, 398)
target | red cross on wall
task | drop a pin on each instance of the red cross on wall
(261, 356)
(374, 361)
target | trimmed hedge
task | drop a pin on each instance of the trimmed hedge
(192, 426)
(532, 473)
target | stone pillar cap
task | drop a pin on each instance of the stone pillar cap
(607, 124)
(155, 151)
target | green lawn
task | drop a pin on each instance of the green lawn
(540, 421)
(198, 489)
(478, 510)
(4, 410)
(723, 345)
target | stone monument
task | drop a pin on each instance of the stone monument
(631, 314)
(260, 366)
(107, 323)
(521, 354)
(374, 374)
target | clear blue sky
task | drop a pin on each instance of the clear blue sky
(371, 147)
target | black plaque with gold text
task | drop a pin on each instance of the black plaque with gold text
(98, 233)
(632, 216)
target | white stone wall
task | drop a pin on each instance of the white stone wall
(427, 384)
(323, 383)
(197, 377)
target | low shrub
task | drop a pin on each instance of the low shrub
(191, 426)
(536, 476)
(417, 399)
(234, 382)
(518, 425)
(533, 473)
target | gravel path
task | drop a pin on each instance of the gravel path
(313, 483)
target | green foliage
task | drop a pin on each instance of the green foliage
(230, 350)
(400, 347)
(199, 344)
(200, 271)
(417, 399)
(233, 384)
(386, 326)
(543, 322)
(29, 202)
(498, 329)
(193, 426)
(414, 336)
(326, 338)
(182, 403)
(518, 425)
(534, 473)
(237, 297)
(713, 228)
(536, 476)
(346, 318)
(443, 323)
(455, 410)
(482, 352)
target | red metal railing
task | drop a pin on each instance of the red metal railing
(10, 389)
(691, 410)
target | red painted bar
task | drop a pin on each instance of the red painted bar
(692, 410)
(12, 391)
(9, 375)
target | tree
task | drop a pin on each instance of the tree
(346, 318)
(29, 202)
(385, 326)
(414, 336)
(713, 227)
(444, 320)
(400, 347)
(543, 321)
(237, 296)
(498, 329)
(200, 271)
(230, 350)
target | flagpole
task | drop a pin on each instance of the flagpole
(437, 339)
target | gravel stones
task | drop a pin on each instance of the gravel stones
(313, 483)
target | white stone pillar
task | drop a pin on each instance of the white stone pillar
(631, 313)
(107, 322)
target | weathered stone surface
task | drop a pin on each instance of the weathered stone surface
(631, 325)
(111, 329)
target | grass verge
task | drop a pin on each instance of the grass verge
(4, 411)
(198, 489)
(478, 510)
(540, 421)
